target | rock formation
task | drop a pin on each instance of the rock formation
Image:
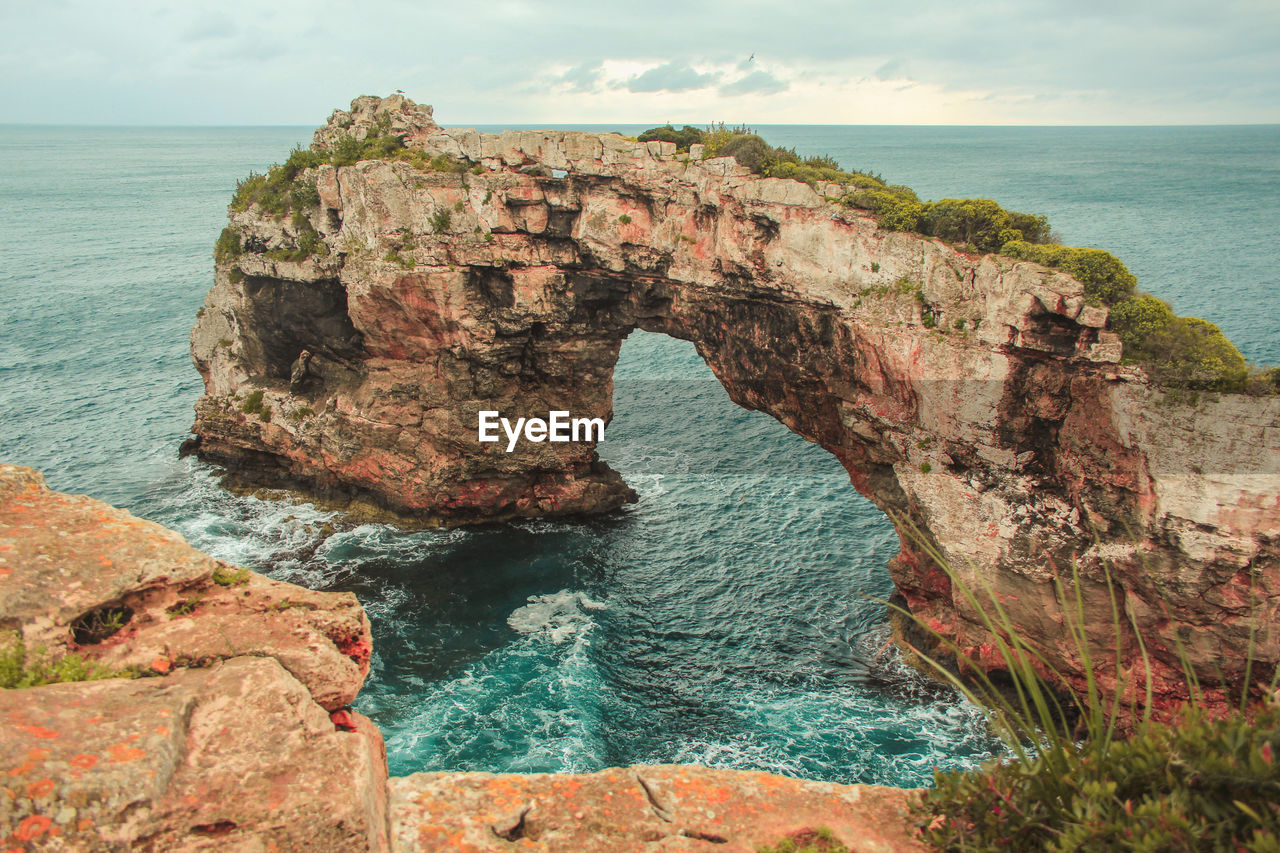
(222, 726)
(976, 399)
(232, 736)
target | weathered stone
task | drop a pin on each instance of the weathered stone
(370, 115)
(1092, 315)
(233, 757)
(1108, 349)
(79, 575)
(327, 188)
(638, 809)
(922, 368)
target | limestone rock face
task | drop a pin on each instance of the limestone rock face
(223, 741)
(976, 399)
(641, 808)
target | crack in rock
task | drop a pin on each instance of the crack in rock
(709, 837)
(658, 808)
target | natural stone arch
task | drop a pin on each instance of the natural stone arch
(976, 399)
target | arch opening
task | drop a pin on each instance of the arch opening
(729, 618)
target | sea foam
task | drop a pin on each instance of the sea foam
(561, 615)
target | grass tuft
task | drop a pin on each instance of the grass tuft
(252, 404)
(820, 840)
(21, 667)
(230, 576)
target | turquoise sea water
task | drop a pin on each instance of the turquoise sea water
(729, 617)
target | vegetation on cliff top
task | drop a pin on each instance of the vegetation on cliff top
(1197, 782)
(1184, 352)
(289, 188)
(280, 192)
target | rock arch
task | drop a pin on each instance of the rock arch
(976, 399)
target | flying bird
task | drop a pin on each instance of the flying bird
(751, 58)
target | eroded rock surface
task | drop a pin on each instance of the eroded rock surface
(232, 735)
(79, 575)
(977, 399)
(641, 808)
(235, 756)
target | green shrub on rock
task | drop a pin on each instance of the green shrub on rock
(441, 221)
(303, 195)
(1193, 353)
(226, 575)
(1196, 784)
(279, 191)
(252, 404)
(1106, 280)
(972, 221)
(820, 840)
(897, 211)
(228, 247)
(748, 149)
(1138, 318)
(683, 138)
(1182, 351)
(311, 243)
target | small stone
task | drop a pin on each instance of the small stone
(1092, 316)
(510, 827)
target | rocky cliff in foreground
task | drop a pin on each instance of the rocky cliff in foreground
(364, 314)
(217, 722)
(226, 727)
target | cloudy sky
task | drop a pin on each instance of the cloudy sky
(518, 61)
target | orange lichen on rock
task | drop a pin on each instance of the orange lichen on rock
(637, 808)
(246, 751)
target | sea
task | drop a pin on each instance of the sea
(734, 616)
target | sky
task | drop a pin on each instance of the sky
(289, 62)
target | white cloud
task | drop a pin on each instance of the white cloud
(671, 77)
(756, 83)
(933, 61)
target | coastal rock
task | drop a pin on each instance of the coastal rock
(641, 808)
(232, 757)
(226, 728)
(77, 575)
(976, 399)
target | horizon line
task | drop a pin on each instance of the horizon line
(534, 124)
